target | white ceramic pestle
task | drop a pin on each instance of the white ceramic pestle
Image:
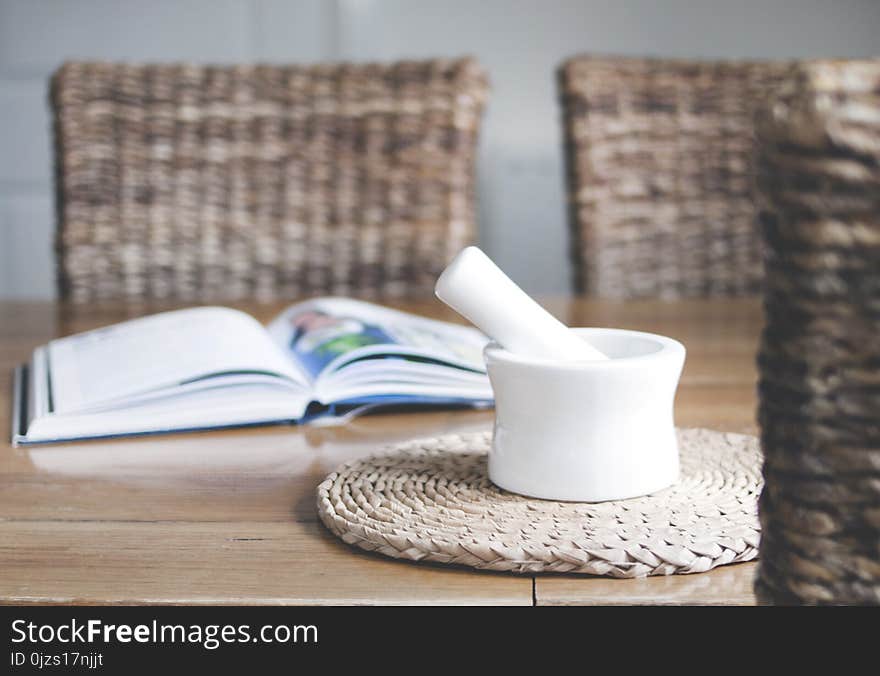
(477, 289)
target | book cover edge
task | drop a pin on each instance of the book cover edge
(18, 403)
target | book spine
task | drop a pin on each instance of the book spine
(19, 397)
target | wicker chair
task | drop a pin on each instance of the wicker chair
(659, 175)
(197, 183)
(818, 174)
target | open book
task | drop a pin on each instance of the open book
(212, 367)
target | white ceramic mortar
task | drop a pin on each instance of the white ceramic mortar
(588, 430)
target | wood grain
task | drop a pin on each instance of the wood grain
(727, 585)
(229, 517)
(94, 562)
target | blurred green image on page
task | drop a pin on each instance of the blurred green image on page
(319, 338)
(323, 337)
(212, 367)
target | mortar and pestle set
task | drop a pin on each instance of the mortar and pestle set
(582, 414)
(583, 447)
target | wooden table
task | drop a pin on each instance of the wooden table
(229, 517)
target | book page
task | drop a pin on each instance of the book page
(206, 409)
(327, 333)
(172, 348)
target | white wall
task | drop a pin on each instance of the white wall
(522, 215)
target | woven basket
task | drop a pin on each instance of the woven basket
(659, 175)
(819, 180)
(261, 182)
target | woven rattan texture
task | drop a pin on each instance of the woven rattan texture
(260, 182)
(431, 500)
(819, 179)
(659, 175)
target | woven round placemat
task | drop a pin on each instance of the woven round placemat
(431, 500)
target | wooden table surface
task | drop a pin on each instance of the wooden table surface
(229, 517)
